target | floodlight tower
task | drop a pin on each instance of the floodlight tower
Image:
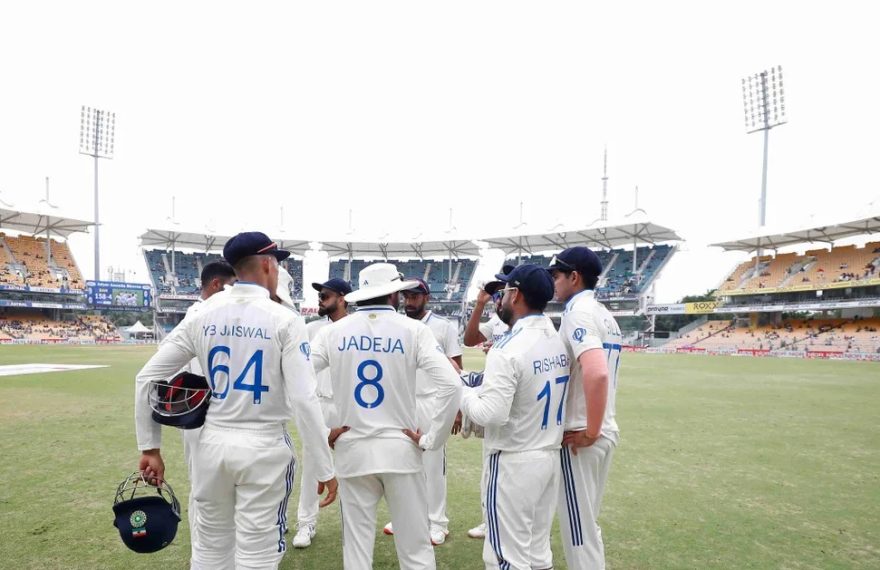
(764, 104)
(604, 204)
(97, 131)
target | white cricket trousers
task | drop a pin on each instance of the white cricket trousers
(520, 503)
(307, 508)
(242, 482)
(190, 442)
(405, 495)
(434, 462)
(580, 498)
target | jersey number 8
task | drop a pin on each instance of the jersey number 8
(364, 382)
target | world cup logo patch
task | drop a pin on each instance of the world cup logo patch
(578, 334)
(306, 349)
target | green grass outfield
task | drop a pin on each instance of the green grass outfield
(725, 462)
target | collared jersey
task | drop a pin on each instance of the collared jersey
(325, 386)
(373, 356)
(446, 334)
(255, 353)
(586, 325)
(494, 329)
(522, 400)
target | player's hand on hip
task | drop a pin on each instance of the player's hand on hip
(334, 435)
(575, 439)
(331, 486)
(413, 435)
(152, 466)
(456, 425)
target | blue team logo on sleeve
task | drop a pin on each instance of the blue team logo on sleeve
(578, 334)
(439, 349)
(306, 349)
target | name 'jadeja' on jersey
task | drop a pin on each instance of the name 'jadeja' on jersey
(365, 343)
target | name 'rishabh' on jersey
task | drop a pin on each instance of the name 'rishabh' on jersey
(373, 356)
(525, 385)
(588, 325)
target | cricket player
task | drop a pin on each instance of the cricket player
(521, 404)
(373, 356)
(256, 354)
(214, 277)
(446, 333)
(332, 307)
(488, 333)
(592, 337)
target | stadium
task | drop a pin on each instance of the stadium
(748, 389)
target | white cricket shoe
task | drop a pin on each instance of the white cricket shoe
(478, 531)
(389, 530)
(304, 536)
(438, 535)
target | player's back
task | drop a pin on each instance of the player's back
(535, 356)
(238, 338)
(588, 324)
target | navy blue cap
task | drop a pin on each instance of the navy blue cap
(532, 280)
(492, 286)
(579, 259)
(336, 285)
(422, 287)
(247, 244)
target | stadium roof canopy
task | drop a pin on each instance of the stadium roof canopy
(391, 248)
(827, 234)
(34, 223)
(598, 234)
(204, 241)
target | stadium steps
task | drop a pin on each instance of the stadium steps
(646, 262)
(604, 276)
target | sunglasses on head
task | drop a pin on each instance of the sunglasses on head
(560, 265)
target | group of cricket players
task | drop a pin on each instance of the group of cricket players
(375, 395)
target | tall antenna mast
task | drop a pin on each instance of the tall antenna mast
(604, 203)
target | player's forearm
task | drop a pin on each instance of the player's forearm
(486, 409)
(472, 336)
(596, 390)
(447, 400)
(310, 423)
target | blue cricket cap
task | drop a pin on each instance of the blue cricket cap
(532, 280)
(422, 287)
(247, 244)
(336, 285)
(578, 258)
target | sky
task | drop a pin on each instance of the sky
(401, 111)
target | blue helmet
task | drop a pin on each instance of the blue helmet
(181, 402)
(145, 515)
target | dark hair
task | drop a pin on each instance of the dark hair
(533, 303)
(385, 300)
(214, 269)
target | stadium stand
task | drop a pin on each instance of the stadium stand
(24, 261)
(448, 284)
(33, 326)
(818, 267)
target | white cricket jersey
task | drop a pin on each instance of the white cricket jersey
(494, 329)
(446, 334)
(194, 367)
(587, 325)
(522, 400)
(373, 356)
(325, 387)
(256, 356)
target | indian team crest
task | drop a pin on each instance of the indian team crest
(578, 334)
(138, 519)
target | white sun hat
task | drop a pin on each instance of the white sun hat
(378, 280)
(285, 284)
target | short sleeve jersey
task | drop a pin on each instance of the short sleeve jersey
(588, 325)
(494, 329)
(521, 402)
(325, 386)
(446, 334)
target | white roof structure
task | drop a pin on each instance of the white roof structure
(138, 327)
(392, 247)
(204, 241)
(34, 223)
(598, 234)
(826, 234)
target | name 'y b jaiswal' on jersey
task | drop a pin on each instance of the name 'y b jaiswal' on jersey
(525, 384)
